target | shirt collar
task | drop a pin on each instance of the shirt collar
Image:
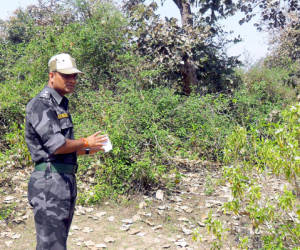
(58, 98)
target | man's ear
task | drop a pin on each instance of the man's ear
(51, 78)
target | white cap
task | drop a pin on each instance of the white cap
(63, 63)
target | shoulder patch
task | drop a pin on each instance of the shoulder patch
(45, 94)
(63, 115)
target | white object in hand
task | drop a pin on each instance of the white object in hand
(107, 145)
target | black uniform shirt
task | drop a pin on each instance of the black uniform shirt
(48, 125)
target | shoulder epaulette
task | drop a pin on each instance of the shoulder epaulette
(45, 94)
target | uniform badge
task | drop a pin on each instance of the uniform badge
(45, 94)
(63, 115)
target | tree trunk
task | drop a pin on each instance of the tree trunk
(188, 69)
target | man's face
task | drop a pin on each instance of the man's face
(62, 83)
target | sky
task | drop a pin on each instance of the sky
(253, 47)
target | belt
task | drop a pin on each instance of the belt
(57, 167)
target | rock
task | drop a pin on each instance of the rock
(111, 218)
(176, 199)
(125, 227)
(181, 243)
(100, 214)
(87, 230)
(89, 243)
(101, 245)
(145, 214)
(212, 203)
(109, 239)
(74, 227)
(186, 231)
(187, 209)
(16, 236)
(142, 204)
(8, 243)
(89, 209)
(127, 221)
(149, 223)
(160, 212)
(141, 234)
(166, 246)
(159, 195)
(9, 199)
(200, 224)
(157, 227)
(162, 207)
(134, 231)
(183, 219)
(136, 218)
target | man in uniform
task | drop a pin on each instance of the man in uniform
(50, 139)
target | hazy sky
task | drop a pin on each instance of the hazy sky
(253, 47)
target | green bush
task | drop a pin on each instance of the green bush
(252, 157)
(263, 91)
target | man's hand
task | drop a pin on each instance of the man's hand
(96, 141)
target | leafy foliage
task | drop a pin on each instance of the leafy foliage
(192, 52)
(132, 89)
(274, 14)
(252, 156)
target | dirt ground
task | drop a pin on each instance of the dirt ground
(162, 220)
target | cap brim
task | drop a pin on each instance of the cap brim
(69, 71)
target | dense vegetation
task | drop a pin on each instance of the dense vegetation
(135, 90)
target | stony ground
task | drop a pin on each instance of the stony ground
(162, 220)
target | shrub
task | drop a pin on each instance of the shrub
(252, 158)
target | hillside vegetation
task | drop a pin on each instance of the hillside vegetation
(247, 121)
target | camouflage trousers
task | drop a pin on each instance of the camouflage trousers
(52, 196)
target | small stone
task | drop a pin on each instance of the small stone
(161, 207)
(8, 243)
(74, 227)
(160, 212)
(142, 204)
(166, 246)
(186, 231)
(145, 214)
(176, 199)
(181, 243)
(125, 227)
(87, 230)
(200, 224)
(16, 236)
(134, 231)
(127, 221)
(157, 227)
(89, 243)
(109, 239)
(159, 195)
(149, 223)
(111, 218)
(101, 245)
(187, 209)
(9, 199)
(136, 218)
(100, 214)
(183, 219)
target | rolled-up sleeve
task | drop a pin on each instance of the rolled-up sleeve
(44, 121)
